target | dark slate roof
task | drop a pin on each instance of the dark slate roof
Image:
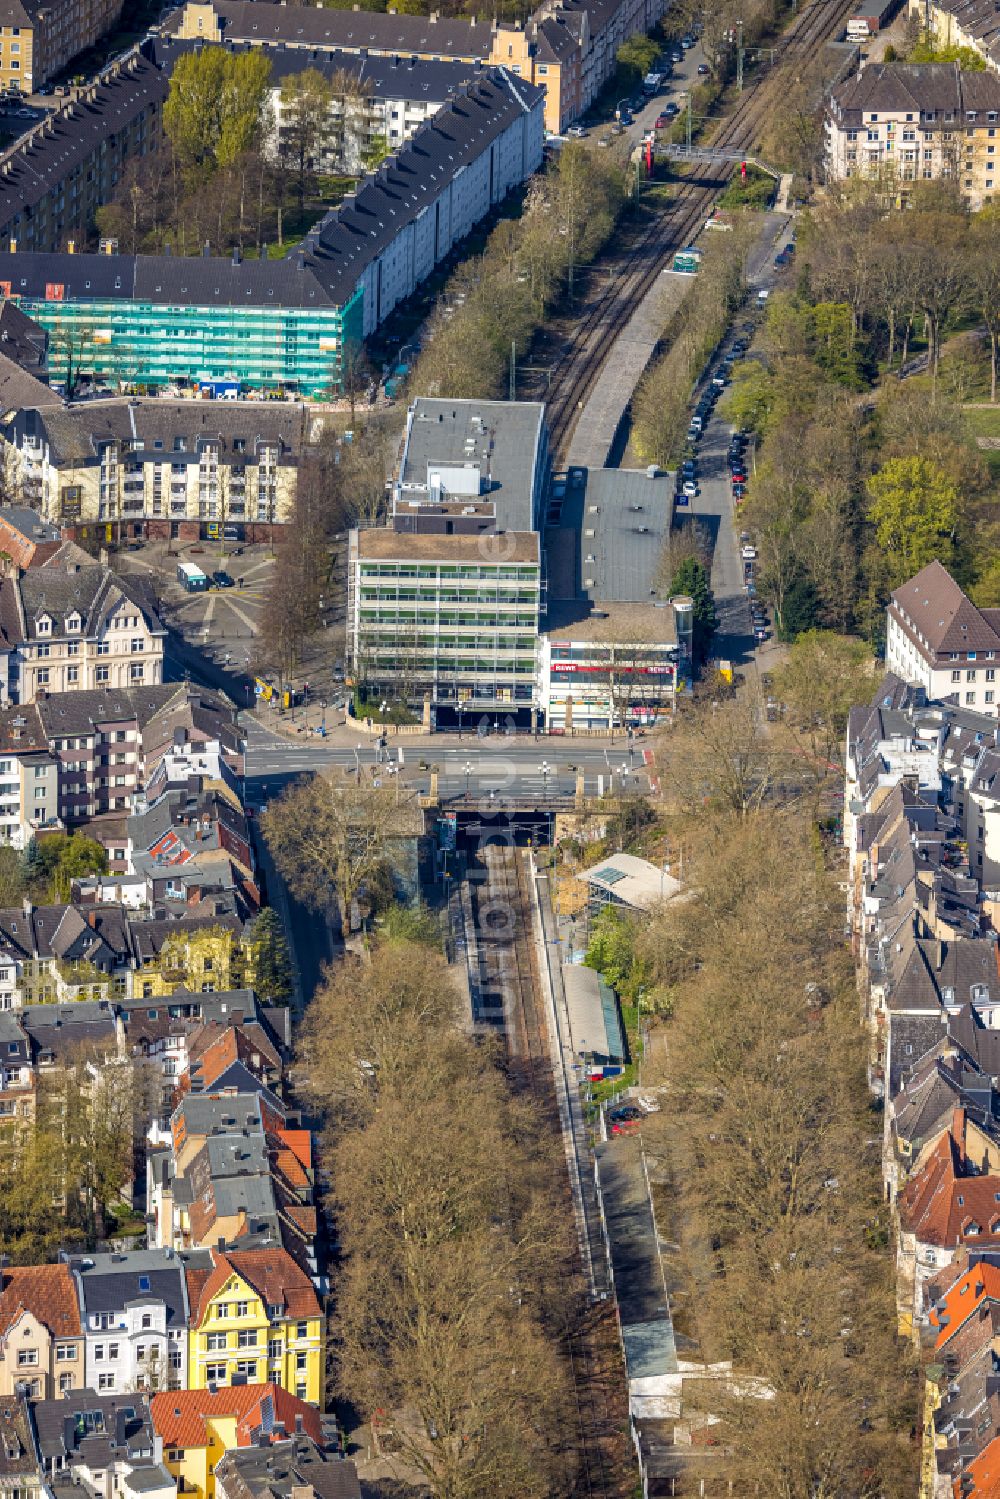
(82, 1426)
(316, 26)
(110, 1282)
(381, 76)
(95, 593)
(327, 268)
(19, 389)
(71, 134)
(80, 713)
(22, 339)
(148, 937)
(351, 235)
(76, 433)
(278, 1470)
(60, 1028)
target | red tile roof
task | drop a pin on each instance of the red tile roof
(48, 1292)
(970, 1293)
(944, 1206)
(984, 1471)
(272, 1273)
(180, 1416)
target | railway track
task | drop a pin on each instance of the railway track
(584, 356)
(510, 984)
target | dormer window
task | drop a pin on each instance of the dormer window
(43, 625)
(73, 623)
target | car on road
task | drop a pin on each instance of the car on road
(687, 42)
(759, 634)
(689, 487)
(625, 1112)
(697, 422)
(719, 380)
(677, 55)
(662, 122)
(780, 260)
(624, 118)
(221, 579)
(748, 552)
(693, 432)
(739, 490)
(763, 295)
(689, 468)
(576, 132)
(703, 70)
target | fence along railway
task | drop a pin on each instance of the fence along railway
(589, 345)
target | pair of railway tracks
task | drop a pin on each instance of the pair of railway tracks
(510, 983)
(587, 349)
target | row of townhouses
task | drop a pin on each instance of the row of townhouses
(922, 829)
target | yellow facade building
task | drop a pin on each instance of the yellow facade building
(255, 1315)
(198, 1427)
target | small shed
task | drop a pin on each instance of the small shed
(595, 1021)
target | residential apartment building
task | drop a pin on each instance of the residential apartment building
(104, 1445)
(41, 1342)
(160, 469)
(907, 122)
(37, 40)
(937, 639)
(134, 1313)
(56, 175)
(568, 47)
(961, 23)
(282, 324)
(198, 1427)
(255, 1316)
(376, 98)
(26, 537)
(65, 630)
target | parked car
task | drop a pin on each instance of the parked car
(689, 487)
(703, 70)
(763, 295)
(221, 579)
(576, 132)
(739, 490)
(687, 42)
(662, 122)
(624, 1113)
(677, 55)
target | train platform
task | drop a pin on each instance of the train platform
(599, 422)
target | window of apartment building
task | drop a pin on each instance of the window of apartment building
(72, 673)
(301, 1363)
(136, 671)
(44, 626)
(43, 676)
(65, 1383)
(104, 647)
(137, 644)
(140, 1352)
(302, 1329)
(274, 1348)
(147, 1317)
(27, 1358)
(246, 1338)
(970, 676)
(73, 648)
(247, 1367)
(64, 1352)
(300, 1391)
(113, 1350)
(105, 1381)
(989, 696)
(42, 650)
(176, 1358)
(216, 1372)
(101, 674)
(970, 697)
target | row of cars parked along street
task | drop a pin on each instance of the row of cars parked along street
(687, 477)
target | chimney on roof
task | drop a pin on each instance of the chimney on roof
(237, 255)
(13, 247)
(299, 1429)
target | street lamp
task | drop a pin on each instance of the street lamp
(545, 770)
(468, 772)
(461, 711)
(357, 763)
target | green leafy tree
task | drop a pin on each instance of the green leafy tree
(272, 962)
(215, 106)
(750, 398)
(914, 507)
(691, 578)
(835, 345)
(375, 153)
